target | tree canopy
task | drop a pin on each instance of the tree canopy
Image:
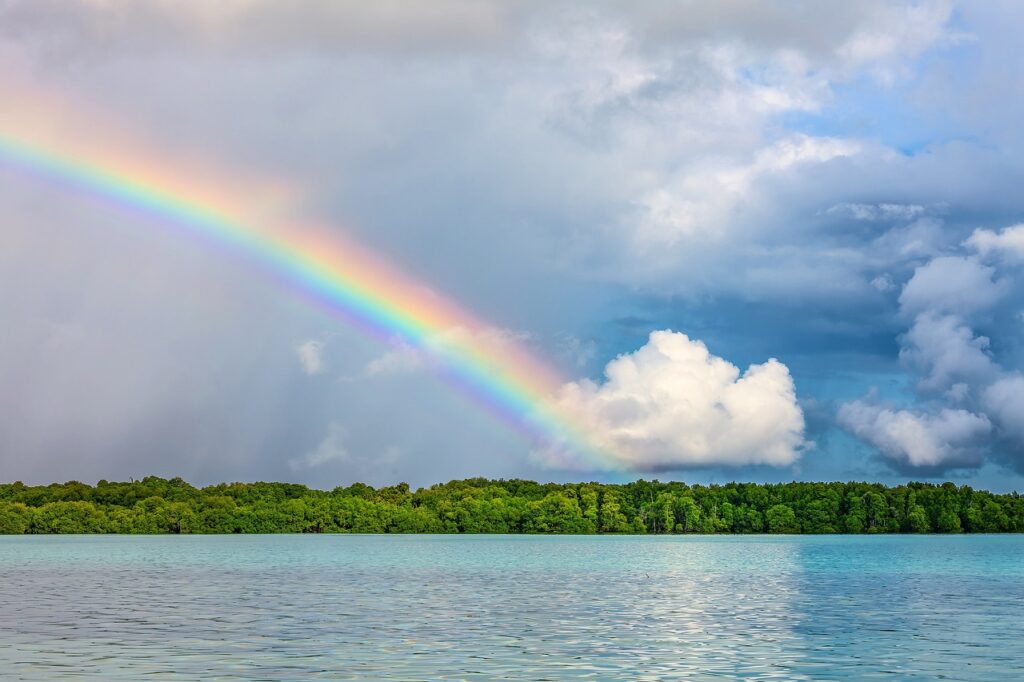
(157, 505)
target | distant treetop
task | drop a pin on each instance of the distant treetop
(478, 505)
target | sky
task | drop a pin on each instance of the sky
(755, 241)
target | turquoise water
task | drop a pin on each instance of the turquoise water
(513, 607)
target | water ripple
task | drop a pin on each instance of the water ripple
(480, 608)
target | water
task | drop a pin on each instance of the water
(514, 607)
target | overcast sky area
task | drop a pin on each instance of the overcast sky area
(759, 241)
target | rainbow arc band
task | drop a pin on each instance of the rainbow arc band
(500, 377)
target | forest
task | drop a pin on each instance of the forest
(156, 505)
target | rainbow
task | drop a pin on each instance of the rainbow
(498, 375)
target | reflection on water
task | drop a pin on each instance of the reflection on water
(481, 607)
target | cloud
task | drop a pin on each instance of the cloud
(330, 450)
(948, 439)
(1004, 400)
(900, 30)
(310, 354)
(339, 458)
(945, 351)
(699, 204)
(923, 238)
(883, 283)
(1007, 243)
(257, 25)
(673, 405)
(560, 165)
(644, 147)
(399, 360)
(873, 31)
(885, 212)
(951, 284)
(969, 409)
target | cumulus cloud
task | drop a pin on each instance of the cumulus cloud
(945, 351)
(699, 204)
(1007, 243)
(970, 408)
(673, 405)
(401, 359)
(310, 354)
(608, 153)
(1004, 400)
(923, 238)
(951, 284)
(947, 439)
(620, 132)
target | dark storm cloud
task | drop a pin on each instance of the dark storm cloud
(555, 166)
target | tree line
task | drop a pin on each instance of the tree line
(157, 505)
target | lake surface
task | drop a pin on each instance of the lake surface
(515, 607)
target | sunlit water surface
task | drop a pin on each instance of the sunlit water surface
(514, 607)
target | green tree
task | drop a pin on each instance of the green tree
(69, 517)
(818, 517)
(917, 520)
(781, 519)
(558, 513)
(948, 521)
(855, 519)
(477, 505)
(993, 518)
(688, 517)
(612, 518)
(15, 518)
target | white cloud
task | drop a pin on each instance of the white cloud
(951, 284)
(949, 438)
(955, 365)
(1008, 242)
(958, 392)
(310, 354)
(946, 351)
(700, 204)
(877, 212)
(906, 30)
(872, 31)
(923, 238)
(466, 111)
(650, 125)
(331, 449)
(1004, 400)
(401, 359)
(883, 283)
(672, 405)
